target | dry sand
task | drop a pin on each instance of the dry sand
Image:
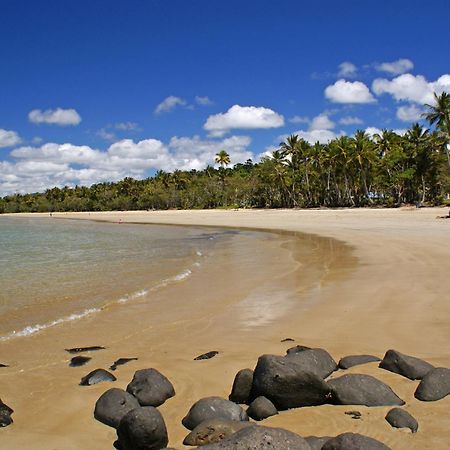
(383, 283)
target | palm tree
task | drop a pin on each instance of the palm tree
(223, 158)
(439, 114)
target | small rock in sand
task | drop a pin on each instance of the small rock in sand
(207, 355)
(97, 376)
(434, 385)
(408, 366)
(399, 418)
(261, 408)
(78, 361)
(5, 414)
(353, 441)
(84, 349)
(113, 405)
(356, 360)
(121, 362)
(242, 386)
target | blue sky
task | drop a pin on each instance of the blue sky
(97, 90)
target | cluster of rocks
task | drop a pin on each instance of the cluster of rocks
(299, 378)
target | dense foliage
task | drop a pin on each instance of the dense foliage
(387, 169)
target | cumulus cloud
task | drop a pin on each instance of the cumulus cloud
(58, 116)
(347, 69)
(202, 101)
(349, 92)
(106, 135)
(409, 113)
(244, 117)
(9, 138)
(412, 88)
(51, 164)
(169, 104)
(320, 130)
(349, 120)
(398, 67)
(321, 122)
(299, 119)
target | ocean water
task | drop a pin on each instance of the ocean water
(56, 271)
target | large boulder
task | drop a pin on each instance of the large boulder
(113, 405)
(399, 418)
(356, 389)
(150, 387)
(261, 408)
(284, 381)
(211, 431)
(142, 428)
(316, 442)
(213, 408)
(353, 441)
(97, 376)
(434, 385)
(408, 366)
(355, 360)
(242, 386)
(261, 438)
(315, 360)
(5, 415)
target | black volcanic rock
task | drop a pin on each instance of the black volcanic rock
(121, 362)
(150, 387)
(78, 361)
(356, 389)
(434, 385)
(213, 408)
(408, 366)
(353, 441)
(5, 414)
(207, 355)
(85, 349)
(261, 438)
(399, 418)
(142, 428)
(242, 386)
(356, 360)
(315, 360)
(261, 408)
(284, 381)
(97, 376)
(113, 405)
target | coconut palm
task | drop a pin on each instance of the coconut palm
(223, 158)
(439, 114)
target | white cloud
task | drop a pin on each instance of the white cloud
(347, 69)
(398, 67)
(37, 140)
(321, 122)
(203, 101)
(349, 92)
(412, 88)
(244, 117)
(371, 131)
(349, 120)
(51, 164)
(106, 135)
(409, 113)
(9, 138)
(169, 104)
(126, 126)
(299, 119)
(58, 116)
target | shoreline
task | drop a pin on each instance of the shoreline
(397, 288)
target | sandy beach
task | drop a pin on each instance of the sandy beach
(376, 279)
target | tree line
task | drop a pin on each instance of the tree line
(386, 169)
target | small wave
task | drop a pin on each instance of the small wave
(134, 296)
(31, 329)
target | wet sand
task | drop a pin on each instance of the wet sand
(363, 281)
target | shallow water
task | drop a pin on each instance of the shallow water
(54, 271)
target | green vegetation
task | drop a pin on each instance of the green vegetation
(387, 169)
